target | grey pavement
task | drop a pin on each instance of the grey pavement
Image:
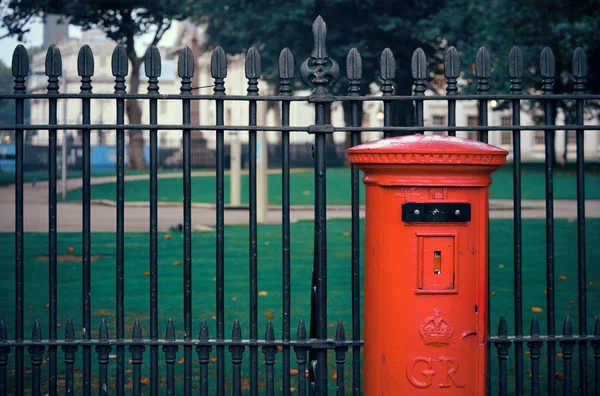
(204, 215)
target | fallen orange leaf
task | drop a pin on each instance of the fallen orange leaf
(167, 236)
(128, 371)
(214, 317)
(279, 348)
(263, 293)
(30, 306)
(493, 293)
(346, 233)
(571, 301)
(562, 277)
(292, 390)
(590, 282)
(233, 298)
(527, 353)
(146, 273)
(177, 263)
(306, 373)
(71, 249)
(334, 376)
(270, 315)
(181, 359)
(144, 381)
(76, 368)
(213, 359)
(501, 266)
(559, 355)
(293, 371)
(545, 291)
(330, 325)
(46, 305)
(559, 376)
(536, 309)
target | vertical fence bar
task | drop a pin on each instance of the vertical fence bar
(36, 351)
(286, 73)
(69, 351)
(53, 71)
(103, 350)
(354, 72)
(320, 71)
(515, 72)
(502, 344)
(237, 351)
(579, 76)
(451, 72)
(483, 89)
(300, 351)
(567, 351)
(596, 346)
(418, 65)
(85, 69)
(137, 349)
(218, 70)
(4, 351)
(340, 358)
(170, 357)
(203, 350)
(152, 65)
(185, 68)
(547, 71)
(253, 67)
(387, 68)
(270, 351)
(535, 347)
(120, 65)
(20, 70)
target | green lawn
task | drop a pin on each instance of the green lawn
(269, 264)
(338, 186)
(7, 178)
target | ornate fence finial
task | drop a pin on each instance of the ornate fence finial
(418, 65)
(354, 71)
(253, 70)
(185, 69)
(319, 70)
(120, 67)
(286, 71)
(503, 343)
(20, 68)
(69, 350)
(218, 70)
(451, 70)
(483, 70)
(85, 68)
(103, 348)
(387, 68)
(515, 70)
(236, 350)
(579, 70)
(152, 67)
(4, 350)
(203, 350)
(53, 67)
(547, 70)
(37, 350)
(170, 350)
(269, 350)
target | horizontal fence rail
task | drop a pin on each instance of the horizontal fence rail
(312, 353)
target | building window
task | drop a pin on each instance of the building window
(572, 137)
(472, 121)
(506, 136)
(438, 120)
(538, 138)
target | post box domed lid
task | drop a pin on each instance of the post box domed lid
(427, 149)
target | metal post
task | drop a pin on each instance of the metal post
(64, 145)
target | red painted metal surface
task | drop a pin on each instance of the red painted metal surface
(425, 283)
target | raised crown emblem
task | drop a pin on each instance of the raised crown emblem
(436, 330)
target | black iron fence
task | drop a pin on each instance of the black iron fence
(307, 348)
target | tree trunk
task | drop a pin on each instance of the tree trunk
(134, 113)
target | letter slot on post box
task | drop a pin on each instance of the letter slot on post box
(426, 264)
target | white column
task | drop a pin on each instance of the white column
(235, 170)
(261, 178)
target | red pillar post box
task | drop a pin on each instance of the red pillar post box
(426, 278)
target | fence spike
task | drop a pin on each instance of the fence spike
(2, 332)
(236, 333)
(53, 62)
(567, 326)
(354, 65)
(301, 334)
(36, 335)
(119, 62)
(515, 63)
(253, 64)
(319, 29)
(152, 62)
(483, 68)
(103, 333)
(597, 328)
(269, 332)
(170, 333)
(204, 331)
(185, 63)
(218, 63)
(137, 331)
(286, 64)
(547, 64)
(69, 331)
(387, 65)
(85, 61)
(579, 63)
(451, 64)
(340, 332)
(502, 327)
(418, 64)
(20, 62)
(535, 327)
